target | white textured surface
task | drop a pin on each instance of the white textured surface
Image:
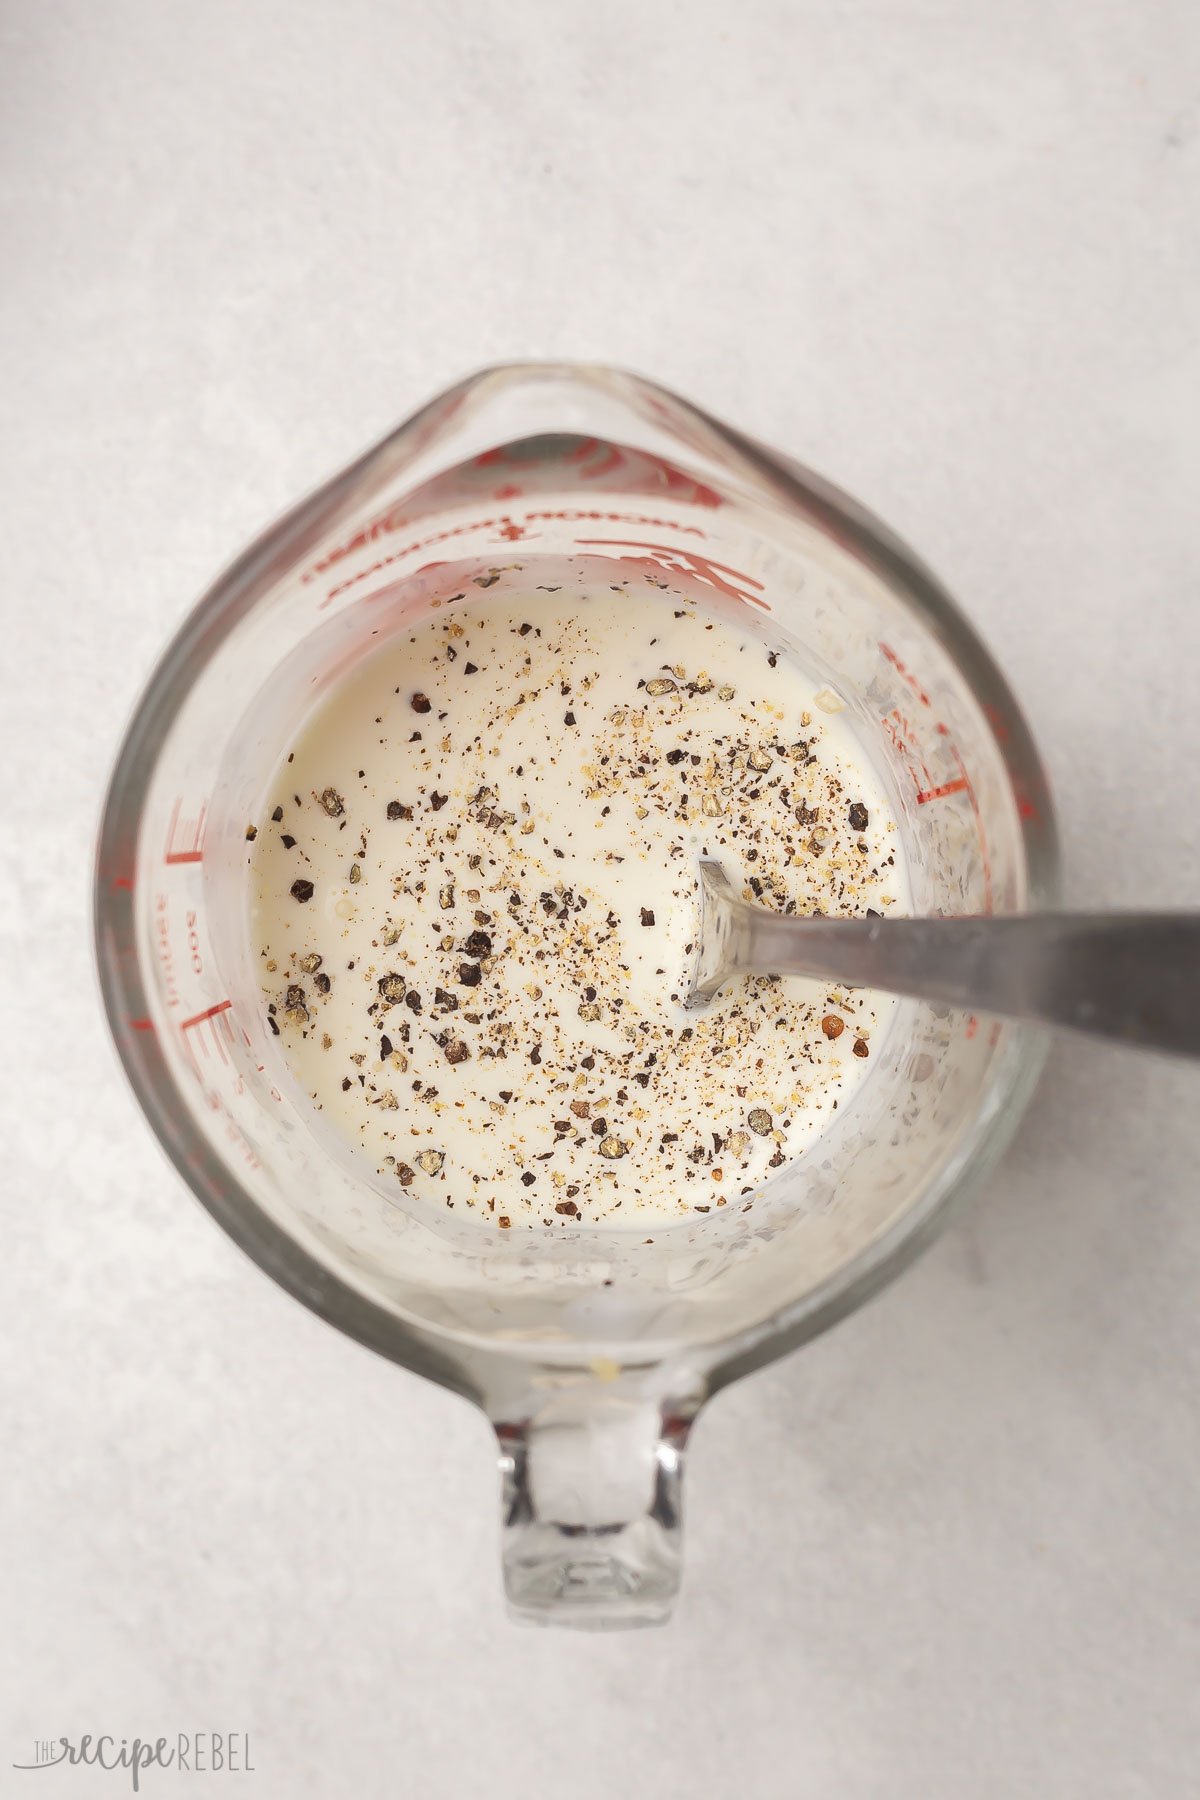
(947, 253)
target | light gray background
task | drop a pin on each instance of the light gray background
(947, 253)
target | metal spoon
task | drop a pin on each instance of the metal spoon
(1132, 977)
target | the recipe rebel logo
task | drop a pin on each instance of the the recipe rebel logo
(199, 1752)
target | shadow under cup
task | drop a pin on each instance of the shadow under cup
(590, 1349)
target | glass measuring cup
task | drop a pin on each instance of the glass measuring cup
(590, 1350)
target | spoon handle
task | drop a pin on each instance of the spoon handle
(1132, 977)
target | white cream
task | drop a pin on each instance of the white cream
(494, 1019)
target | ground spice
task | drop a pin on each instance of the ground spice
(482, 897)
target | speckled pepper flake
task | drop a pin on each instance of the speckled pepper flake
(482, 897)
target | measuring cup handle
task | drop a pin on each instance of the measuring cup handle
(592, 1509)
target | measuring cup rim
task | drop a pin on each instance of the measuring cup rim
(444, 1357)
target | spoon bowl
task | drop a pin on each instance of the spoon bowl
(1130, 977)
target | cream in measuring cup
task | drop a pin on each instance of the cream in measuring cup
(473, 887)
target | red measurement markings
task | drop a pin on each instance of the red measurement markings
(212, 1038)
(617, 467)
(610, 459)
(996, 720)
(140, 1024)
(384, 562)
(210, 1012)
(570, 515)
(984, 854)
(575, 515)
(1027, 806)
(162, 927)
(395, 519)
(906, 674)
(672, 561)
(994, 1030)
(260, 1067)
(185, 837)
(959, 785)
(905, 736)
